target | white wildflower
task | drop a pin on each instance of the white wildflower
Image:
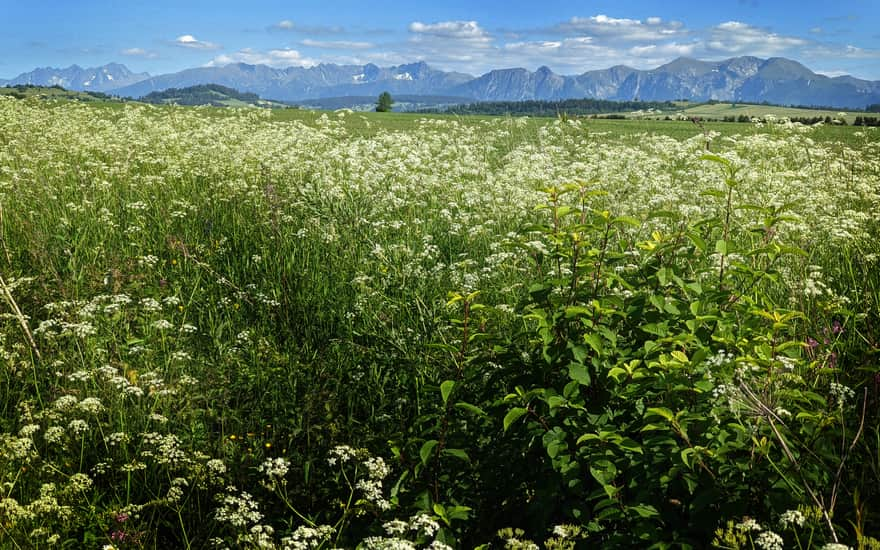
(91, 405)
(768, 540)
(792, 518)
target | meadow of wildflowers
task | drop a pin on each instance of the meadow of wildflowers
(226, 329)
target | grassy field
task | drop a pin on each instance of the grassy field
(368, 123)
(721, 110)
(243, 328)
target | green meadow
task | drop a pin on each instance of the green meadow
(243, 328)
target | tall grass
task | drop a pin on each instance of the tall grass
(202, 307)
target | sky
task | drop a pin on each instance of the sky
(570, 37)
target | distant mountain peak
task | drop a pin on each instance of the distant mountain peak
(99, 79)
(746, 79)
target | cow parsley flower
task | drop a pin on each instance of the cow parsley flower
(768, 540)
(792, 518)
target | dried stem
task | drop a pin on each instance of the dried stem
(7, 294)
(3, 238)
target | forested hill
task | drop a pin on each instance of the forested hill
(203, 94)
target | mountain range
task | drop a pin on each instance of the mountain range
(740, 79)
(98, 79)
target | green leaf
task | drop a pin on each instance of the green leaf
(580, 353)
(604, 472)
(473, 409)
(660, 411)
(631, 445)
(663, 276)
(587, 437)
(698, 241)
(556, 401)
(626, 220)
(554, 447)
(688, 458)
(579, 373)
(594, 340)
(644, 510)
(458, 512)
(578, 311)
(512, 416)
(457, 453)
(721, 246)
(427, 449)
(716, 158)
(446, 389)
(617, 373)
(565, 211)
(441, 512)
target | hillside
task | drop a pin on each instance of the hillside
(721, 111)
(26, 91)
(209, 94)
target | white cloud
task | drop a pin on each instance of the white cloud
(610, 28)
(659, 52)
(287, 25)
(837, 52)
(139, 52)
(457, 45)
(337, 44)
(738, 38)
(458, 30)
(570, 47)
(285, 57)
(190, 41)
(579, 54)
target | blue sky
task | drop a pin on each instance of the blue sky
(471, 36)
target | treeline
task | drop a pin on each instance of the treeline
(859, 121)
(554, 108)
(808, 120)
(875, 108)
(866, 121)
(203, 94)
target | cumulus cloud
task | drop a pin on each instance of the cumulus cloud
(337, 44)
(190, 41)
(610, 28)
(578, 54)
(573, 46)
(457, 45)
(139, 52)
(458, 30)
(737, 38)
(284, 57)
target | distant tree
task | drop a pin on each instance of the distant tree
(383, 105)
(875, 108)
